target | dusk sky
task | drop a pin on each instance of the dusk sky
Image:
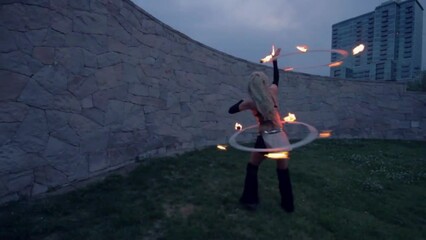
(247, 28)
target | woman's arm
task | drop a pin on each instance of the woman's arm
(276, 73)
(241, 106)
(274, 85)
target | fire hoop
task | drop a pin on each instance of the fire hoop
(343, 55)
(313, 134)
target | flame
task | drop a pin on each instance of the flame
(341, 52)
(335, 64)
(238, 127)
(290, 117)
(302, 48)
(222, 147)
(277, 155)
(325, 134)
(358, 49)
(288, 69)
(269, 57)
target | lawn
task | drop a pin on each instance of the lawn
(344, 189)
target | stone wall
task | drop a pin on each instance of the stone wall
(89, 86)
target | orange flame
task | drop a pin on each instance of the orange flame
(277, 155)
(325, 134)
(335, 64)
(290, 117)
(222, 147)
(269, 57)
(358, 49)
(238, 127)
(302, 48)
(287, 69)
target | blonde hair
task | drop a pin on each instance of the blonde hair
(259, 92)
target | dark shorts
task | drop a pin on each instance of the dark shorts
(259, 142)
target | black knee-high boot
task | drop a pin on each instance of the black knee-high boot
(250, 196)
(286, 190)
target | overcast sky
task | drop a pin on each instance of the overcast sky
(247, 28)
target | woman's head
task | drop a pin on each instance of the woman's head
(259, 92)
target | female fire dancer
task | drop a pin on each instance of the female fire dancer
(264, 106)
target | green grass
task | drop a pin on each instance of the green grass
(344, 189)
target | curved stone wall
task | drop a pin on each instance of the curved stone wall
(89, 86)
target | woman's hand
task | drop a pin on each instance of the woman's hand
(271, 57)
(275, 53)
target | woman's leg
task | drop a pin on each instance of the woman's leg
(282, 164)
(250, 195)
(284, 185)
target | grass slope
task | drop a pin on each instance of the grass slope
(344, 189)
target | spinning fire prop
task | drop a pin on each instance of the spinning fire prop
(282, 152)
(302, 49)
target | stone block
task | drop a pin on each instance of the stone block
(55, 39)
(83, 125)
(80, 5)
(19, 181)
(57, 119)
(119, 156)
(67, 135)
(138, 89)
(415, 124)
(120, 139)
(115, 114)
(101, 98)
(134, 117)
(118, 32)
(31, 38)
(7, 40)
(97, 161)
(87, 102)
(82, 87)
(95, 141)
(95, 115)
(66, 103)
(12, 16)
(89, 22)
(7, 131)
(90, 60)
(54, 79)
(45, 55)
(19, 62)
(32, 134)
(71, 58)
(38, 189)
(12, 157)
(108, 59)
(36, 17)
(109, 77)
(49, 176)
(61, 23)
(66, 158)
(94, 43)
(98, 6)
(131, 73)
(12, 112)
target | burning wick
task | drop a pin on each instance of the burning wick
(278, 155)
(325, 134)
(335, 64)
(222, 147)
(302, 48)
(269, 57)
(358, 49)
(287, 69)
(290, 117)
(238, 126)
